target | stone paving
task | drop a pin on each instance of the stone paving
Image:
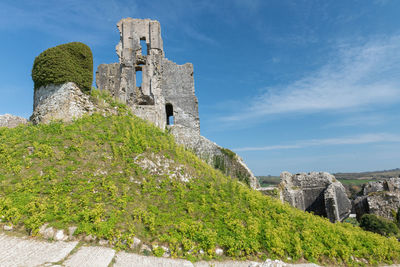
(26, 251)
(16, 251)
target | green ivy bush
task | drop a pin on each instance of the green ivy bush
(71, 62)
(379, 225)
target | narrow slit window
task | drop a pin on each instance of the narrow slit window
(169, 110)
(143, 44)
(139, 78)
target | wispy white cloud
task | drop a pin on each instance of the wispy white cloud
(351, 140)
(93, 20)
(357, 77)
(88, 20)
(362, 120)
(199, 36)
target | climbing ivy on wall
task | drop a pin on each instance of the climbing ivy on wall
(71, 62)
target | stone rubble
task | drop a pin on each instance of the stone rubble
(160, 165)
(317, 192)
(11, 121)
(380, 198)
(8, 227)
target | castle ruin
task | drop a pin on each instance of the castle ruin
(162, 92)
(156, 88)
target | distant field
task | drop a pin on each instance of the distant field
(376, 175)
(355, 181)
(348, 179)
(268, 180)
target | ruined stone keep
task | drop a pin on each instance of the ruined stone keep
(162, 92)
(156, 88)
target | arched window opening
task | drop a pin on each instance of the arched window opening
(144, 46)
(169, 110)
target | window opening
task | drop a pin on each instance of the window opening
(139, 78)
(169, 110)
(143, 44)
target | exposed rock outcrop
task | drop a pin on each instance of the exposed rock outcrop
(317, 192)
(166, 95)
(60, 102)
(11, 121)
(229, 163)
(380, 198)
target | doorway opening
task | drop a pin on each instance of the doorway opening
(169, 110)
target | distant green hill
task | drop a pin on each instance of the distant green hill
(268, 180)
(377, 175)
(118, 176)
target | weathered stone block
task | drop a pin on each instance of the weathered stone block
(60, 102)
(317, 192)
(11, 121)
(381, 198)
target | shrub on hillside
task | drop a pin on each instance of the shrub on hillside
(376, 224)
(71, 62)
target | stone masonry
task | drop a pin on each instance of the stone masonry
(165, 96)
(317, 192)
(60, 102)
(381, 198)
(11, 121)
(166, 89)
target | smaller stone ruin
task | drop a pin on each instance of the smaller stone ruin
(11, 121)
(316, 192)
(60, 102)
(381, 198)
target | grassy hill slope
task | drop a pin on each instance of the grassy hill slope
(117, 177)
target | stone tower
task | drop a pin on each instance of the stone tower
(166, 93)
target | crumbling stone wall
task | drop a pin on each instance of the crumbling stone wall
(178, 90)
(317, 192)
(11, 121)
(163, 81)
(167, 89)
(230, 164)
(381, 198)
(60, 102)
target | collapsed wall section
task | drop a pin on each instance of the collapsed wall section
(162, 83)
(317, 192)
(178, 90)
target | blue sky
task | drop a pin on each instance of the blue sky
(289, 85)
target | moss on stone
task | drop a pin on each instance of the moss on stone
(228, 153)
(71, 62)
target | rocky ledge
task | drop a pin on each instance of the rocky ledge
(317, 192)
(381, 198)
(11, 121)
(60, 102)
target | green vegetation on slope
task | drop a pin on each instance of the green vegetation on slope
(85, 174)
(377, 224)
(71, 62)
